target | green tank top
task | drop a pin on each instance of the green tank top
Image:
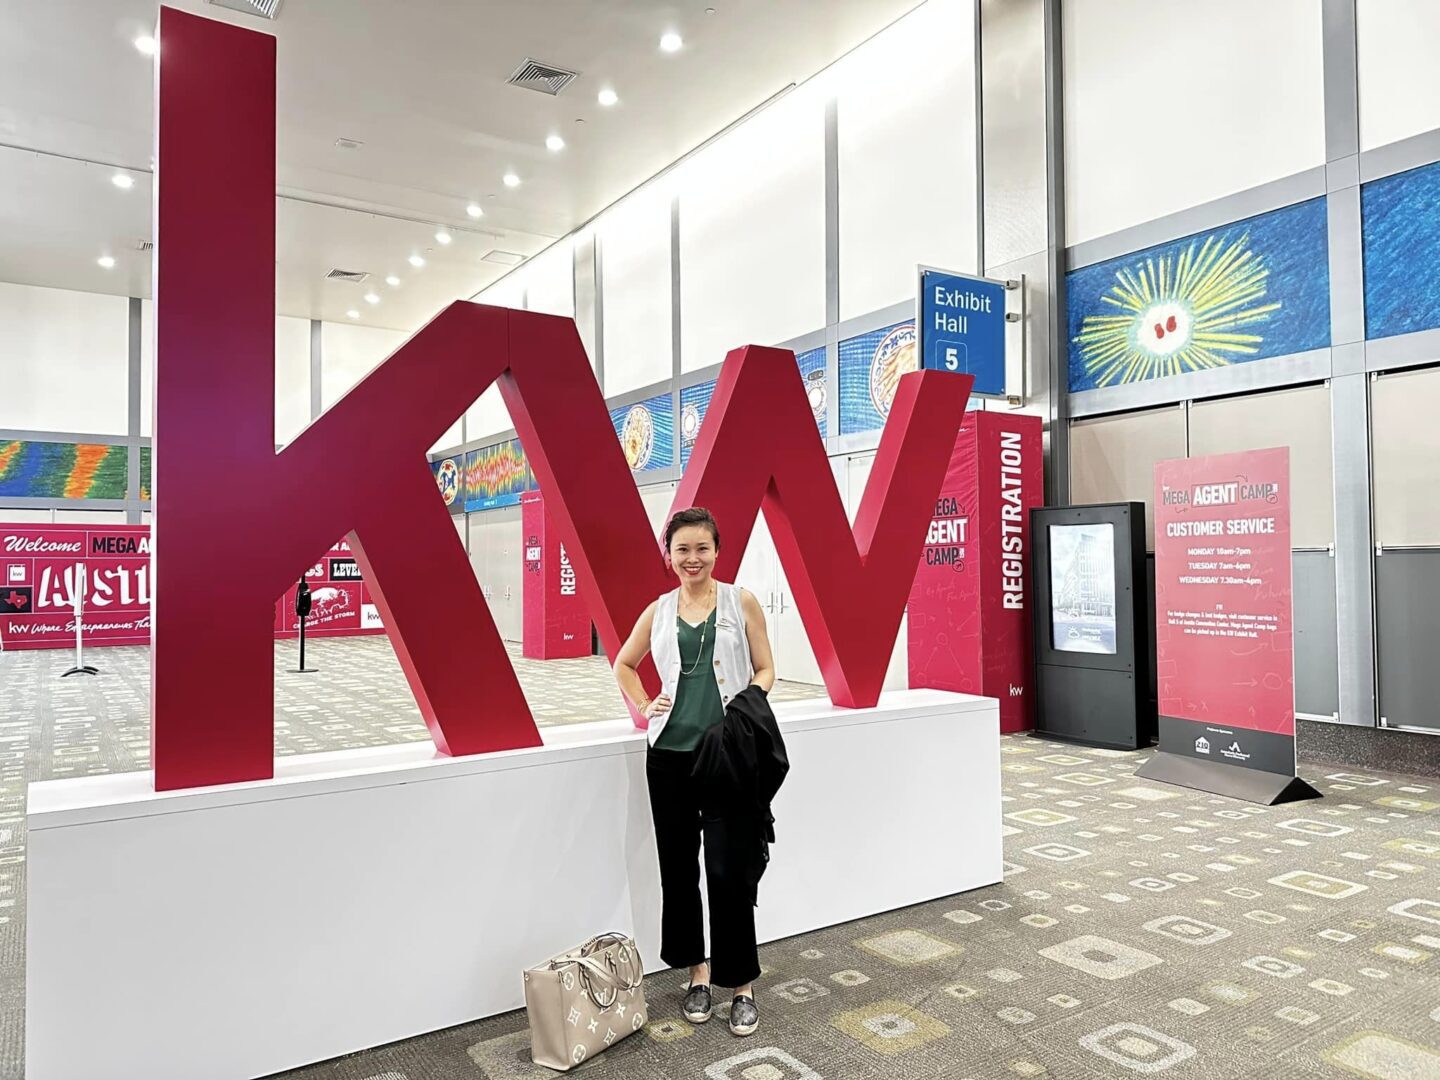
(697, 702)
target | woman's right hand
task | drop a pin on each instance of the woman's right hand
(660, 703)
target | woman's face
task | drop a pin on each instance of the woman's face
(692, 553)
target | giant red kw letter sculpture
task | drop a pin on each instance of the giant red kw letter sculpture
(361, 468)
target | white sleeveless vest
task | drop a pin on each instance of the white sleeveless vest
(732, 667)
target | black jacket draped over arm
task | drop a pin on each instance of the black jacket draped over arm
(739, 766)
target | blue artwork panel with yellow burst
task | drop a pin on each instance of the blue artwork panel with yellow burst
(646, 431)
(1251, 290)
(870, 369)
(1401, 225)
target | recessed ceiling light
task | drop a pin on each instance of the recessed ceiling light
(670, 42)
(106, 262)
(474, 210)
(353, 314)
(442, 237)
(511, 180)
(554, 143)
(372, 298)
(416, 261)
(392, 281)
(147, 44)
(120, 180)
(607, 97)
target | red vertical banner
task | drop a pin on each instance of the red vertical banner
(1223, 635)
(556, 624)
(970, 607)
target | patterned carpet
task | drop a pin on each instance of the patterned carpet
(1141, 930)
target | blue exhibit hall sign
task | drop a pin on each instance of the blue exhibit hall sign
(962, 327)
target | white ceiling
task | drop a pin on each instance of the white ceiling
(421, 83)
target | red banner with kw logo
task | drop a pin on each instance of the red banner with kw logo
(39, 564)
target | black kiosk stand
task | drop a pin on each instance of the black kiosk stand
(302, 611)
(1092, 626)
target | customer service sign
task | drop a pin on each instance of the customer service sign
(1224, 640)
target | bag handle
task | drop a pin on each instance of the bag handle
(611, 974)
(594, 945)
(599, 941)
(626, 945)
(592, 971)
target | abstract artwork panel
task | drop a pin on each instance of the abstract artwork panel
(870, 368)
(694, 401)
(46, 470)
(449, 476)
(1249, 290)
(646, 431)
(1400, 224)
(496, 476)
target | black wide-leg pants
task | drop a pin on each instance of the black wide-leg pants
(680, 823)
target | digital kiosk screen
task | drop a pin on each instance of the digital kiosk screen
(1082, 588)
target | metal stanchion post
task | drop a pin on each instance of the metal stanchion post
(302, 609)
(77, 602)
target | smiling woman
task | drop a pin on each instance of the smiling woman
(710, 647)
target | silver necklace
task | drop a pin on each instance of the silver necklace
(701, 653)
(698, 655)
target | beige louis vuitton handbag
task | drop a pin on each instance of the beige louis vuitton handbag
(584, 1000)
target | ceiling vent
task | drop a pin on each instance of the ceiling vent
(144, 245)
(357, 276)
(262, 9)
(546, 78)
(504, 258)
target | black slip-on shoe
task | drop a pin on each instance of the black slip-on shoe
(697, 1004)
(744, 1015)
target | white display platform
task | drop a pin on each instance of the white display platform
(366, 896)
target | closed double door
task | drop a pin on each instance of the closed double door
(762, 574)
(497, 555)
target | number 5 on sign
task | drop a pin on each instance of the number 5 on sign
(952, 358)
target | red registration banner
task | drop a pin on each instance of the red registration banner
(40, 567)
(1224, 641)
(969, 610)
(556, 621)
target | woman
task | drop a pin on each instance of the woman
(709, 642)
